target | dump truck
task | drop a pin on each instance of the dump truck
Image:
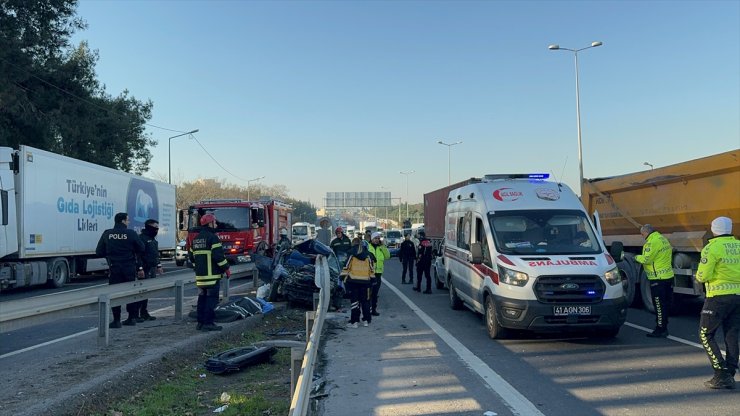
(53, 210)
(679, 201)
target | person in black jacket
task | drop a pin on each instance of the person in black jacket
(207, 256)
(424, 263)
(149, 262)
(407, 254)
(120, 246)
(341, 245)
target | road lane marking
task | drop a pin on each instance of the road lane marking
(515, 401)
(671, 337)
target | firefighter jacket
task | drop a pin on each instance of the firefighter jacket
(426, 251)
(119, 245)
(381, 254)
(150, 256)
(207, 256)
(341, 244)
(656, 257)
(407, 250)
(719, 267)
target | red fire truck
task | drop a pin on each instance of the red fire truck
(244, 227)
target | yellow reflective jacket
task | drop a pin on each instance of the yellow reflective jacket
(719, 267)
(657, 257)
(381, 254)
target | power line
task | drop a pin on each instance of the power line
(72, 94)
(214, 159)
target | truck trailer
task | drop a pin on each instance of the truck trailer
(679, 201)
(435, 204)
(54, 209)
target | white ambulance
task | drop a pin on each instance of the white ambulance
(522, 251)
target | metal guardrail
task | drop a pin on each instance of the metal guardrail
(314, 324)
(37, 310)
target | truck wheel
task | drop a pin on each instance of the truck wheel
(493, 326)
(455, 301)
(647, 298)
(629, 271)
(439, 283)
(58, 272)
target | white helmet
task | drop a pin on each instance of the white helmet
(283, 231)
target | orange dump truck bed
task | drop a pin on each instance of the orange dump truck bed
(680, 198)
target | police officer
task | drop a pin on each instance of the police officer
(719, 270)
(407, 254)
(149, 262)
(207, 256)
(656, 260)
(120, 246)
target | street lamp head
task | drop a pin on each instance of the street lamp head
(553, 47)
(440, 142)
(595, 44)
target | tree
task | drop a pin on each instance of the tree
(50, 97)
(303, 211)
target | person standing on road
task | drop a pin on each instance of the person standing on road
(719, 270)
(358, 276)
(120, 246)
(656, 260)
(207, 256)
(381, 254)
(407, 255)
(424, 263)
(323, 234)
(149, 262)
(284, 243)
(341, 245)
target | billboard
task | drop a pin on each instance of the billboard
(357, 199)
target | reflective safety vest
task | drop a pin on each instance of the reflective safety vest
(657, 257)
(381, 254)
(719, 267)
(207, 256)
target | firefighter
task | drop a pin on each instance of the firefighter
(120, 246)
(207, 256)
(719, 270)
(284, 242)
(149, 262)
(341, 245)
(656, 260)
(424, 263)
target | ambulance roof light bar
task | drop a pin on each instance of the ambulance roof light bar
(530, 176)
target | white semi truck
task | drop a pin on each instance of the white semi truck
(53, 210)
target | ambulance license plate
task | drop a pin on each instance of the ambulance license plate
(571, 310)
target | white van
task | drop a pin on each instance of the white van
(302, 231)
(524, 253)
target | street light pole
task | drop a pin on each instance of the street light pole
(169, 153)
(407, 190)
(250, 181)
(578, 103)
(449, 151)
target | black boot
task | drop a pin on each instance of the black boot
(416, 289)
(658, 333)
(115, 324)
(427, 292)
(146, 317)
(211, 327)
(131, 321)
(722, 380)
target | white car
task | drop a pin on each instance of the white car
(181, 254)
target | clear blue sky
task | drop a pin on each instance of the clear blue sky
(330, 96)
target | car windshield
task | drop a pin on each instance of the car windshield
(393, 234)
(300, 230)
(543, 232)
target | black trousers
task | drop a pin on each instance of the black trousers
(408, 264)
(722, 311)
(360, 298)
(424, 268)
(374, 292)
(144, 304)
(662, 293)
(122, 273)
(207, 302)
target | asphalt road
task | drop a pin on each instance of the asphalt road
(573, 375)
